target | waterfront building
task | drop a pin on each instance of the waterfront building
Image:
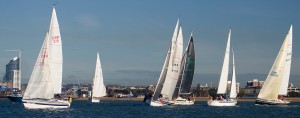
(229, 86)
(255, 84)
(292, 88)
(12, 74)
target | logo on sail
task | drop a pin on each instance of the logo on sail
(274, 74)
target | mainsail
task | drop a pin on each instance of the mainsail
(55, 53)
(278, 76)
(224, 73)
(99, 89)
(187, 70)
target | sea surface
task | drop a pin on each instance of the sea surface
(133, 109)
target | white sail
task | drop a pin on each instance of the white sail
(279, 72)
(233, 92)
(55, 52)
(99, 89)
(174, 63)
(40, 84)
(224, 72)
(45, 79)
(162, 76)
(288, 51)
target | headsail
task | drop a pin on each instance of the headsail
(224, 73)
(40, 84)
(162, 76)
(233, 92)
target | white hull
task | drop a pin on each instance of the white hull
(156, 104)
(182, 101)
(95, 100)
(271, 102)
(45, 103)
(221, 103)
(159, 103)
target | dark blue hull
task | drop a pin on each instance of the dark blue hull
(15, 99)
(271, 102)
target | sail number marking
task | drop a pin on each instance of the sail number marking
(274, 73)
(55, 39)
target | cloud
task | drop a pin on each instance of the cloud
(88, 21)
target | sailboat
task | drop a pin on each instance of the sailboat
(99, 89)
(165, 88)
(46, 77)
(277, 80)
(182, 92)
(221, 101)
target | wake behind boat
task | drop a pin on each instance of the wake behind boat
(46, 77)
(222, 99)
(276, 84)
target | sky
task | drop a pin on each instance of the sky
(133, 36)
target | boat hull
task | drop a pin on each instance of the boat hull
(271, 102)
(160, 103)
(15, 99)
(45, 103)
(221, 103)
(156, 104)
(95, 100)
(182, 101)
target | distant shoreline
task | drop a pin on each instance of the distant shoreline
(293, 99)
(202, 99)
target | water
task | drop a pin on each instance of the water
(85, 109)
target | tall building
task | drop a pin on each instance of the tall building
(12, 74)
